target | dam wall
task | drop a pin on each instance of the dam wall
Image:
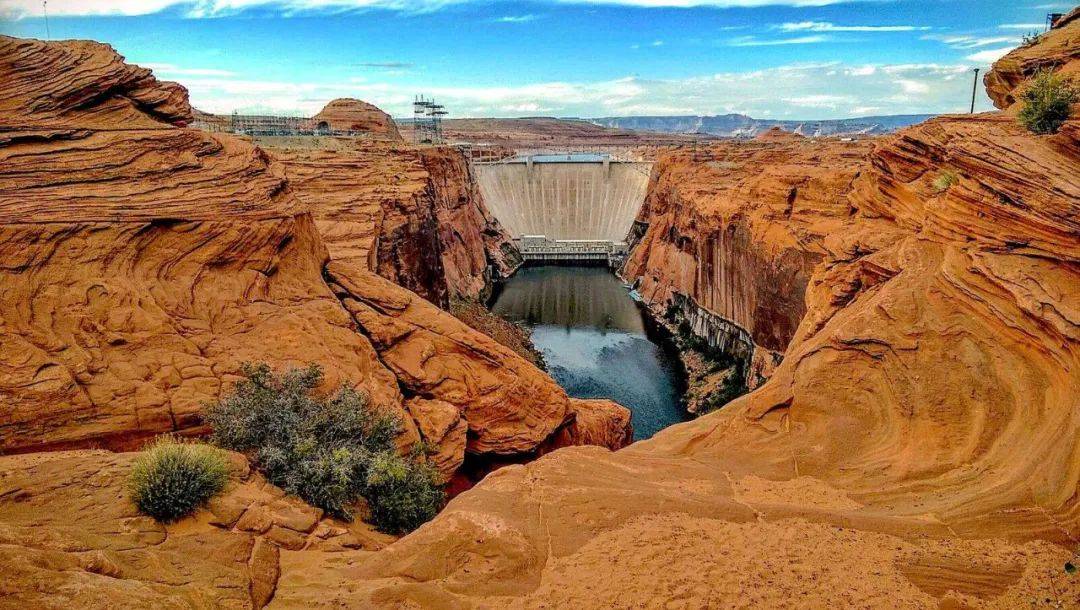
(595, 200)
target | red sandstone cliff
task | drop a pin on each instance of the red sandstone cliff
(1058, 49)
(916, 448)
(733, 232)
(143, 262)
(413, 215)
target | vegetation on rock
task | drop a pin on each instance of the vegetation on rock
(715, 377)
(1046, 102)
(329, 450)
(401, 493)
(944, 180)
(172, 478)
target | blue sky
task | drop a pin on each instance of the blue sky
(806, 59)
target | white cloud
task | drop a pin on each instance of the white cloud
(1022, 26)
(172, 71)
(988, 56)
(215, 8)
(752, 41)
(821, 101)
(809, 91)
(515, 19)
(972, 42)
(913, 86)
(825, 26)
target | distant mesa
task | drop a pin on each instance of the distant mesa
(778, 134)
(742, 126)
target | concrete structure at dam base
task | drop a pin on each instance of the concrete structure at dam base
(543, 249)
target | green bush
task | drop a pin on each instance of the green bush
(1046, 100)
(330, 451)
(733, 386)
(402, 494)
(173, 478)
(944, 180)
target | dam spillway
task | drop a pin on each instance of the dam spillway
(578, 202)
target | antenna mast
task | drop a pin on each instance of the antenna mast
(974, 88)
(45, 11)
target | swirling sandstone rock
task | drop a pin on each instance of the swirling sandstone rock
(1058, 49)
(82, 84)
(142, 263)
(916, 447)
(70, 538)
(351, 115)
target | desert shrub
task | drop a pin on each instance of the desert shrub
(733, 386)
(402, 494)
(172, 478)
(328, 450)
(1046, 100)
(944, 180)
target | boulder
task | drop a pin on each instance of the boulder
(356, 117)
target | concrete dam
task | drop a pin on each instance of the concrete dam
(565, 207)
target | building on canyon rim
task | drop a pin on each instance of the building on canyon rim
(915, 446)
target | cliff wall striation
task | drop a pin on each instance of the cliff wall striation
(732, 232)
(413, 215)
(143, 262)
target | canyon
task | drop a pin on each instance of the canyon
(135, 283)
(912, 344)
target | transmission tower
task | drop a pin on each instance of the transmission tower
(427, 120)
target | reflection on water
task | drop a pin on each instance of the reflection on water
(594, 342)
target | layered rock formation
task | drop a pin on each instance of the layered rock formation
(1058, 49)
(916, 447)
(67, 542)
(359, 117)
(730, 235)
(414, 215)
(143, 262)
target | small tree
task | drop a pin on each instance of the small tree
(328, 450)
(173, 478)
(1047, 99)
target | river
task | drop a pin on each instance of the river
(595, 341)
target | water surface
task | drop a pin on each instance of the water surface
(595, 341)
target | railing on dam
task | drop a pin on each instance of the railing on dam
(540, 248)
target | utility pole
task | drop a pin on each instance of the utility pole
(974, 88)
(45, 11)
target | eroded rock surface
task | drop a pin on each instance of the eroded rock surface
(413, 215)
(915, 448)
(143, 262)
(732, 233)
(1058, 49)
(71, 538)
(351, 115)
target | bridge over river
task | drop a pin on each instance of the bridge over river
(565, 207)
